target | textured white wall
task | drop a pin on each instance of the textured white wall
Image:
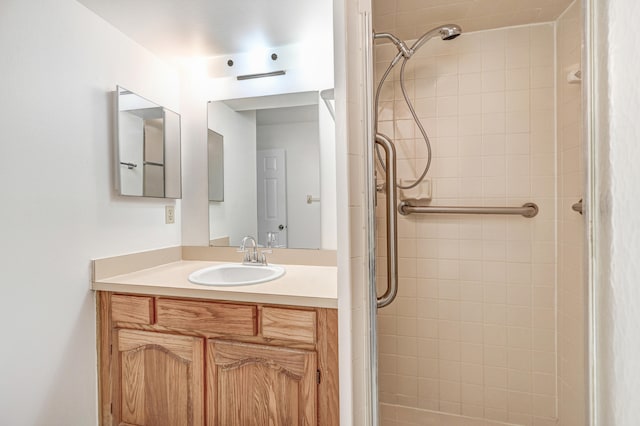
(617, 201)
(59, 64)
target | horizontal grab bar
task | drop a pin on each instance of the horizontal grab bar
(410, 206)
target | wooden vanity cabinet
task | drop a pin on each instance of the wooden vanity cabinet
(160, 379)
(252, 384)
(172, 361)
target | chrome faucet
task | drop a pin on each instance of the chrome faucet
(251, 254)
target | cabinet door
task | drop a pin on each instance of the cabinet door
(251, 384)
(159, 379)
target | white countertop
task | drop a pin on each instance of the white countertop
(301, 285)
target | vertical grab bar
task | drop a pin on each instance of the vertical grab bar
(392, 221)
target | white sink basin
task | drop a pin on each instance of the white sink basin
(232, 274)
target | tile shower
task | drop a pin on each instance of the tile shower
(488, 321)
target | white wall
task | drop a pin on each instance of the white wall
(59, 64)
(301, 144)
(616, 205)
(236, 216)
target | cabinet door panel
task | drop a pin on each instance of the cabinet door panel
(160, 379)
(260, 385)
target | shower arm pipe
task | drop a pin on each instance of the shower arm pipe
(401, 45)
(409, 206)
(391, 222)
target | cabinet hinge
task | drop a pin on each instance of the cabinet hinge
(111, 408)
(318, 375)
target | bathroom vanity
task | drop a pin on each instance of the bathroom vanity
(191, 356)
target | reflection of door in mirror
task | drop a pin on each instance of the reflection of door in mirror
(272, 197)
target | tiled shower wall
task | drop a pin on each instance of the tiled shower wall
(571, 279)
(473, 330)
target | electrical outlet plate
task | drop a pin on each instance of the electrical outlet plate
(169, 214)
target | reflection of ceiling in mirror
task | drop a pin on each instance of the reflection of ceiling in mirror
(297, 114)
(175, 28)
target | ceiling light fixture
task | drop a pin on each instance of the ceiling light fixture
(261, 75)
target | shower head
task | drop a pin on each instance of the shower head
(446, 32)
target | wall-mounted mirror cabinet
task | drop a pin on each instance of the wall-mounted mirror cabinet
(148, 148)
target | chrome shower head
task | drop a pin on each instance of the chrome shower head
(446, 32)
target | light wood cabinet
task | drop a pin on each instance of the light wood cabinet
(159, 379)
(171, 361)
(260, 385)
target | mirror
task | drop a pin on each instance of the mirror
(278, 171)
(148, 148)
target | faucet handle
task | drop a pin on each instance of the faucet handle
(262, 259)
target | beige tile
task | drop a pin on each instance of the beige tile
(471, 353)
(496, 335)
(520, 359)
(471, 332)
(494, 356)
(493, 81)
(447, 85)
(544, 384)
(495, 398)
(470, 62)
(517, 57)
(453, 330)
(519, 338)
(450, 391)
(520, 381)
(472, 394)
(495, 314)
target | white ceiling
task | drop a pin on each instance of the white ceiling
(408, 19)
(204, 28)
